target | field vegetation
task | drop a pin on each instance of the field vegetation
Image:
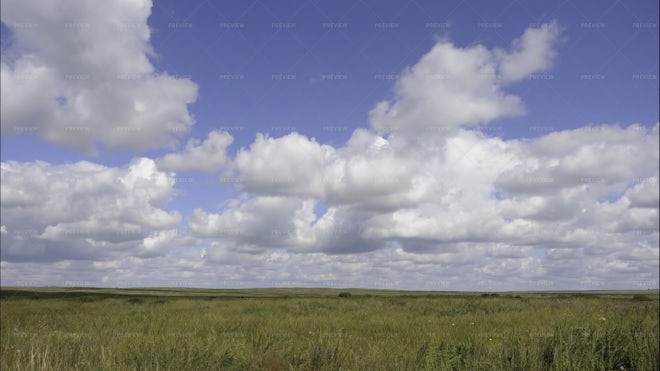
(325, 329)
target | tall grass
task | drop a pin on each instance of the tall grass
(329, 333)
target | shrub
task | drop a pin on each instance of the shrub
(345, 294)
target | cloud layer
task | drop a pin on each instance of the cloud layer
(469, 189)
(420, 199)
(80, 76)
(85, 211)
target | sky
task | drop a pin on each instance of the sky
(422, 145)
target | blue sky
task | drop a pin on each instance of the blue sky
(301, 155)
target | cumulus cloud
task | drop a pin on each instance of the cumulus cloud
(598, 157)
(407, 183)
(534, 51)
(80, 76)
(645, 194)
(257, 223)
(370, 172)
(85, 210)
(474, 230)
(417, 198)
(207, 156)
(577, 174)
(287, 165)
(471, 189)
(452, 86)
(269, 222)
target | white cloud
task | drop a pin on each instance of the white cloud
(85, 210)
(644, 194)
(469, 268)
(281, 166)
(257, 223)
(370, 172)
(597, 157)
(268, 222)
(158, 242)
(374, 173)
(79, 75)
(482, 198)
(207, 156)
(577, 188)
(532, 52)
(416, 200)
(452, 86)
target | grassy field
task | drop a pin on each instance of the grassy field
(319, 329)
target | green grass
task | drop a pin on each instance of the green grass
(316, 329)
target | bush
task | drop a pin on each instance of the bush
(345, 294)
(641, 297)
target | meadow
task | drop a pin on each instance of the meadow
(325, 329)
